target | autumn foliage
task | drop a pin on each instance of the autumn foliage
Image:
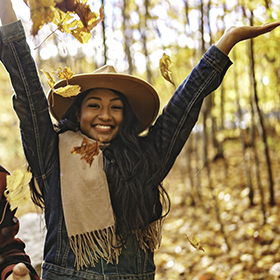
(70, 16)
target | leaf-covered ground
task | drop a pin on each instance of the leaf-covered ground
(254, 247)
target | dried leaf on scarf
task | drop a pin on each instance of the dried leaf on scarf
(164, 66)
(87, 150)
(17, 191)
(195, 243)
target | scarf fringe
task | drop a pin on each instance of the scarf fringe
(90, 246)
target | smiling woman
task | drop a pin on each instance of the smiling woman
(101, 115)
(104, 215)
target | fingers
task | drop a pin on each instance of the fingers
(267, 27)
(20, 272)
(20, 269)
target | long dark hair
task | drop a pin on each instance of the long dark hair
(134, 176)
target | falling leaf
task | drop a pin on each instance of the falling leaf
(68, 91)
(66, 5)
(195, 243)
(51, 80)
(17, 191)
(87, 149)
(42, 11)
(164, 66)
(74, 17)
(65, 74)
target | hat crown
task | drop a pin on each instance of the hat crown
(109, 69)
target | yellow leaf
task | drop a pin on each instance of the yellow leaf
(81, 34)
(65, 74)
(42, 12)
(47, 11)
(17, 191)
(68, 91)
(46, 3)
(164, 65)
(195, 243)
(51, 80)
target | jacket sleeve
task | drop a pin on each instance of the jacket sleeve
(30, 103)
(174, 125)
(11, 248)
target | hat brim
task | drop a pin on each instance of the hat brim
(141, 96)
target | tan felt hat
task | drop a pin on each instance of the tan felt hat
(141, 96)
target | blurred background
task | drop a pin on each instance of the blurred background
(224, 186)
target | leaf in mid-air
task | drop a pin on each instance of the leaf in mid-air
(70, 16)
(164, 66)
(195, 242)
(65, 74)
(68, 91)
(51, 80)
(17, 191)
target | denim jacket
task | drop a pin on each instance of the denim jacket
(40, 143)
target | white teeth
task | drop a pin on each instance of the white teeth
(103, 126)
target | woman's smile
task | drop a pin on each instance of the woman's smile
(101, 115)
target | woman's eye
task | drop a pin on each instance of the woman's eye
(92, 105)
(118, 107)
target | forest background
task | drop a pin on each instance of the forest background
(225, 185)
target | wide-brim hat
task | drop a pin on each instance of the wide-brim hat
(141, 95)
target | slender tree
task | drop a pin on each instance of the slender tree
(127, 38)
(261, 119)
(104, 34)
(246, 165)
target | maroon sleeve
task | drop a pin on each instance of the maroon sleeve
(11, 248)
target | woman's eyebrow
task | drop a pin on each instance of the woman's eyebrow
(99, 98)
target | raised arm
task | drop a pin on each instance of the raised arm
(174, 126)
(237, 34)
(7, 13)
(38, 136)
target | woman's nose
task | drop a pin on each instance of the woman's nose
(105, 114)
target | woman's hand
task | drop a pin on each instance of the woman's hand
(20, 272)
(7, 14)
(236, 34)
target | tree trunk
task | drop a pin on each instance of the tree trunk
(261, 120)
(143, 30)
(127, 39)
(104, 35)
(246, 165)
(188, 31)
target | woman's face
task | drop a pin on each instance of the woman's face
(101, 115)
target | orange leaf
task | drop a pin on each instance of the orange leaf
(87, 150)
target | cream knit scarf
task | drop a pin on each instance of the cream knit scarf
(87, 205)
